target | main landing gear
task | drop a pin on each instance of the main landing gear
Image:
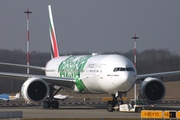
(111, 105)
(51, 102)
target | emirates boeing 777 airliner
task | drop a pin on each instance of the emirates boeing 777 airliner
(113, 74)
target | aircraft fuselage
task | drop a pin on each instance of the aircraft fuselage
(95, 73)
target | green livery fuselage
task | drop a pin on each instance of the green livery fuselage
(94, 73)
(72, 68)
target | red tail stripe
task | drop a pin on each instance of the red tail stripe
(56, 54)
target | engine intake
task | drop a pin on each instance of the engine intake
(34, 90)
(152, 89)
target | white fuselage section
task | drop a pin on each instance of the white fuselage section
(95, 74)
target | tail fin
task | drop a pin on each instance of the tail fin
(54, 46)
(17, 95)
(14, 97)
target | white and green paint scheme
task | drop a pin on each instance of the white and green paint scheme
(113, 74)
(94, 73)
(72, 67)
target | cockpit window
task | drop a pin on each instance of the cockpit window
(123, 69)
(130, 69)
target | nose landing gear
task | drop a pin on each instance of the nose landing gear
(114, 104)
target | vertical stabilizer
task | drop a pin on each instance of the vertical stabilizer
(17, 95)
(54, 45)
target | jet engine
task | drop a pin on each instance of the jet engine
(34, 90)
(152, 89)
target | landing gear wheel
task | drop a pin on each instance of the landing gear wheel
(110, 108)
(46, 104)
(51, 104)
(55, 104)
(138, 110)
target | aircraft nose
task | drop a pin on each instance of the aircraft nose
(126, 81)
(129, 77)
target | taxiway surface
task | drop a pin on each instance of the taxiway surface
(79, 111)
(70, 112)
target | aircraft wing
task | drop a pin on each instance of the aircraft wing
(25, 66)
(157, 75)
(64, 82)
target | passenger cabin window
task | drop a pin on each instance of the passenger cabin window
(123, 69)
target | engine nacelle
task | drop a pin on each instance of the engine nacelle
(152, 89)
(34, 90)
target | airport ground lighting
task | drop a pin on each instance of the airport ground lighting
(135, 38)
(28, 38)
